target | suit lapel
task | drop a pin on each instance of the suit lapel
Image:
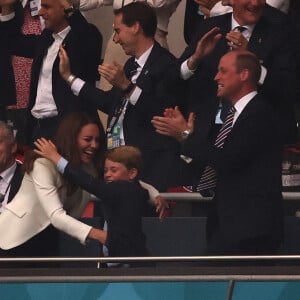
(258, 40)
(15, 182)
(144, 78)
(248, 110)
(225, 27)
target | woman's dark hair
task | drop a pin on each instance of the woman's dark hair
(65, 141)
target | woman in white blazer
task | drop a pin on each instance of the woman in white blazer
(46, 198)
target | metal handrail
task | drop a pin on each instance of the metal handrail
(197, 197)
(152, 258)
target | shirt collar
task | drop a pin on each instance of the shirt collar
(8, 173)
(62, 34)
(235, 24)
(143, 58)
(241, 104)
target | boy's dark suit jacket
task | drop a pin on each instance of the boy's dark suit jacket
(271, 42)
(160, 153)
(83, 44)
(248, 200)
(124, 204)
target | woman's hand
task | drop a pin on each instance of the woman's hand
(47, 149)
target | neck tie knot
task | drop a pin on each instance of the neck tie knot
(134, 68)
(240, 28)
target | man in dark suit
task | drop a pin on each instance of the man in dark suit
(137, 95)
(246, 215)
(50, 96)
(10, 169)
(269, 39)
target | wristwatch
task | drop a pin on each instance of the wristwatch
(185, 134)
(70, 10)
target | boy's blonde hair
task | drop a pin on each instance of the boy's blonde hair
(129, 156)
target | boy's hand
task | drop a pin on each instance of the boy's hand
(47, 149)
(161, 205)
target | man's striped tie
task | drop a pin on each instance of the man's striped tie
(209, 177)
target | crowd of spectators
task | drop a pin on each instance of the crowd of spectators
(243, 59)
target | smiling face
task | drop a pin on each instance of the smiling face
(52, 11)
(114, 171)
(88, 142)
(247, 12)
(124, 35)
(228, 79)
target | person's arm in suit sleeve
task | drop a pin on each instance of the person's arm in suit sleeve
(97, 98)
(84, 46)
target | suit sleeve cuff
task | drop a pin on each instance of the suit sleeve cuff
(77, 86)
(263, 74)
(61, 165)
(185, 72)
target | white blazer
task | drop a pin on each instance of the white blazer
(38, 203)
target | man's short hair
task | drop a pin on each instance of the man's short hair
(248, 60)
(139, 12)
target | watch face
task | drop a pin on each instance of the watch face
(185, 134)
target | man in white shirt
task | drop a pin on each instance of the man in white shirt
(48, 92)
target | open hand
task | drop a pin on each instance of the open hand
(47, 149)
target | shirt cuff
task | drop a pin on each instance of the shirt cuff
(77, 86)
(263, 74)
(7, 17)
(185, 72)
(187, 159)
(61, 165)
